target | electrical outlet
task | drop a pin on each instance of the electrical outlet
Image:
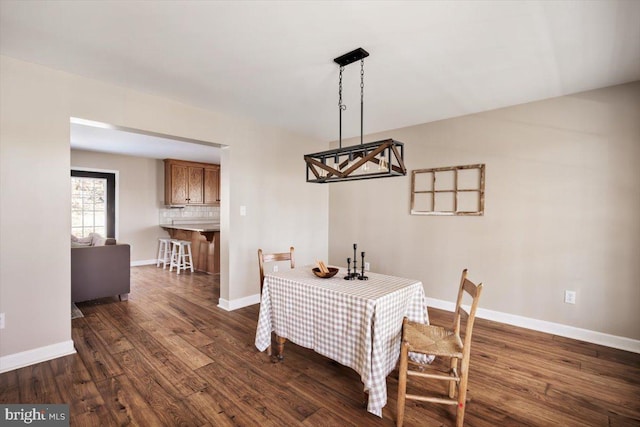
(367, 266)
(275, 268)
(570, 297)
(1, 320)
(243, 211)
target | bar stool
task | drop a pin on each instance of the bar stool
(164, 252)
(179, 255)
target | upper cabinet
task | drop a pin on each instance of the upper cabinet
(211, 194)
(190, 183)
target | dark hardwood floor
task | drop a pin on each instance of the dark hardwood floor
(169, 356)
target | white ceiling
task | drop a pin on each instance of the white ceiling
(273, 61)
(93, 136)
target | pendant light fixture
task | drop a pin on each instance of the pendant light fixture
(378, 159)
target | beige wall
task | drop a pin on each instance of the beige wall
(562, 211)
(262, 169)
(140, 190)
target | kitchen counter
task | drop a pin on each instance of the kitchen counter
(205, 242)
(199, 227)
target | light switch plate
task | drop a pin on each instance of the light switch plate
(570, 297)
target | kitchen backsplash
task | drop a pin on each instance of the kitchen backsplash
(206, 213)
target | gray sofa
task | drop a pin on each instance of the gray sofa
(100, 271)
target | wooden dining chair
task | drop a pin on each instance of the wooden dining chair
(440, 342)
(262, 259)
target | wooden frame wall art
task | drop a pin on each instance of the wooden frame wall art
(455, 190)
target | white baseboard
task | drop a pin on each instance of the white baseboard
(238, 303)
(143, 262)
(593, 337)
(37, 355)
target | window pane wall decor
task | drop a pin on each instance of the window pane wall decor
(455, 190)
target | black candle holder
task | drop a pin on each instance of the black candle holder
(349, 275)
(362, 276)
(355, 275)
(355, 263)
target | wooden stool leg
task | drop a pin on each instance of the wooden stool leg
(172, 257)
(190, 258)
(160, 252)
(178, 253)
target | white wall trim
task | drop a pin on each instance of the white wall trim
(37, 355)
(238, 303)
(593, 337)
(144, 262)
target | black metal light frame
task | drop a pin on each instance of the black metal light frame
(378, 159)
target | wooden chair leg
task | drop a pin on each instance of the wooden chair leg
(453, 365)
(402, 383)
(460, 415)
(462, 396)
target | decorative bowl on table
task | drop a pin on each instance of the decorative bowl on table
(332, 272)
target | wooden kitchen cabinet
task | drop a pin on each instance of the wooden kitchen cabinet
(212, 185)
(191, 183)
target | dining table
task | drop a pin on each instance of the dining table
(357, 323)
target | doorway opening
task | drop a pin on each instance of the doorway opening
(117, 148)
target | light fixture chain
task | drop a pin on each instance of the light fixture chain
(361, 79)
(361, 99)
(340, 89)
(340, 106)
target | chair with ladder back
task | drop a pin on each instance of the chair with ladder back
(440, 342)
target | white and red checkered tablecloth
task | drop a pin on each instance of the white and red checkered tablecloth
(357, 323)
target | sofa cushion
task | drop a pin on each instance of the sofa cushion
(94, 239)
(97, 239)
(80, 241)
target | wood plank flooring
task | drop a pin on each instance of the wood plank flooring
(169, 356)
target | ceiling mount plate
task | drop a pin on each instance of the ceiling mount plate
(353, 56)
